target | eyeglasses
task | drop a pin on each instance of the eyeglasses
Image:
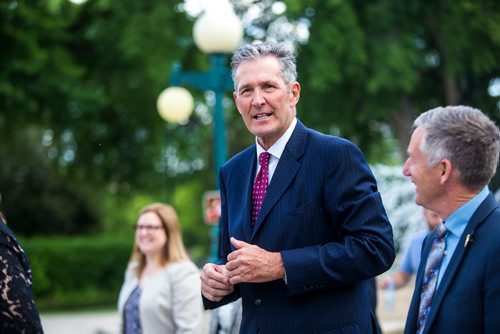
(148, 228)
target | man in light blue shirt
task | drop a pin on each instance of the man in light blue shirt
(453, 154)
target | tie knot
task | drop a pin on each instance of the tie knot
(264, 159)
(440, 231)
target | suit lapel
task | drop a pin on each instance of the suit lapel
(488, 205)
(288, 167)
(247, 178)
(411, 324)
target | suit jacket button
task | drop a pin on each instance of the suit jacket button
(257, 302)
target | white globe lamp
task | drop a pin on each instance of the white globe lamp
(175, 104)
(218, 29)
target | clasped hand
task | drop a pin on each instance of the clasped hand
(248, 263)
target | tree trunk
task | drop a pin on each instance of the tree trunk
(401, 121)
(451, 90)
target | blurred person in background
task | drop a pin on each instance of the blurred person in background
(452, 155)
(161, 292)
(226, 319)
(411, 258)
(18, 313)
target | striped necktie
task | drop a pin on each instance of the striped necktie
(431, 274)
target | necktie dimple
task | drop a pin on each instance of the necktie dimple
(260, 185)
(431, 274)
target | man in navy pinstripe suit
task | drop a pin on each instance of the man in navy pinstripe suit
(322, 231)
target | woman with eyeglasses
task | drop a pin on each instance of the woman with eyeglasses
(161, 292)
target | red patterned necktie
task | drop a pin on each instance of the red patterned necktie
(431, 274)
(260, 185)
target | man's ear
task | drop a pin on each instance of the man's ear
(446, 169)
(295, 93)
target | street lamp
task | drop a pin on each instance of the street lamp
(216, 32)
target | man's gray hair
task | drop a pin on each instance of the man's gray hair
(250, 52)
(466, 137)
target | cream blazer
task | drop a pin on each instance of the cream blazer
(170, 300)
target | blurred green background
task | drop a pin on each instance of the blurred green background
(83, 148)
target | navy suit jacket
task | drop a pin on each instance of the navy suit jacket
(323, 212)
(468, 297)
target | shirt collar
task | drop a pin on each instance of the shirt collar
(278, 147)
(458, 220)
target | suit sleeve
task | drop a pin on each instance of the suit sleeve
(492, 292)
(224, 247)
(364, 246)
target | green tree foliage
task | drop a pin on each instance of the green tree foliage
(369, 64)
(86, 77)
(36, 198)
(83, 81)
(91, 74)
